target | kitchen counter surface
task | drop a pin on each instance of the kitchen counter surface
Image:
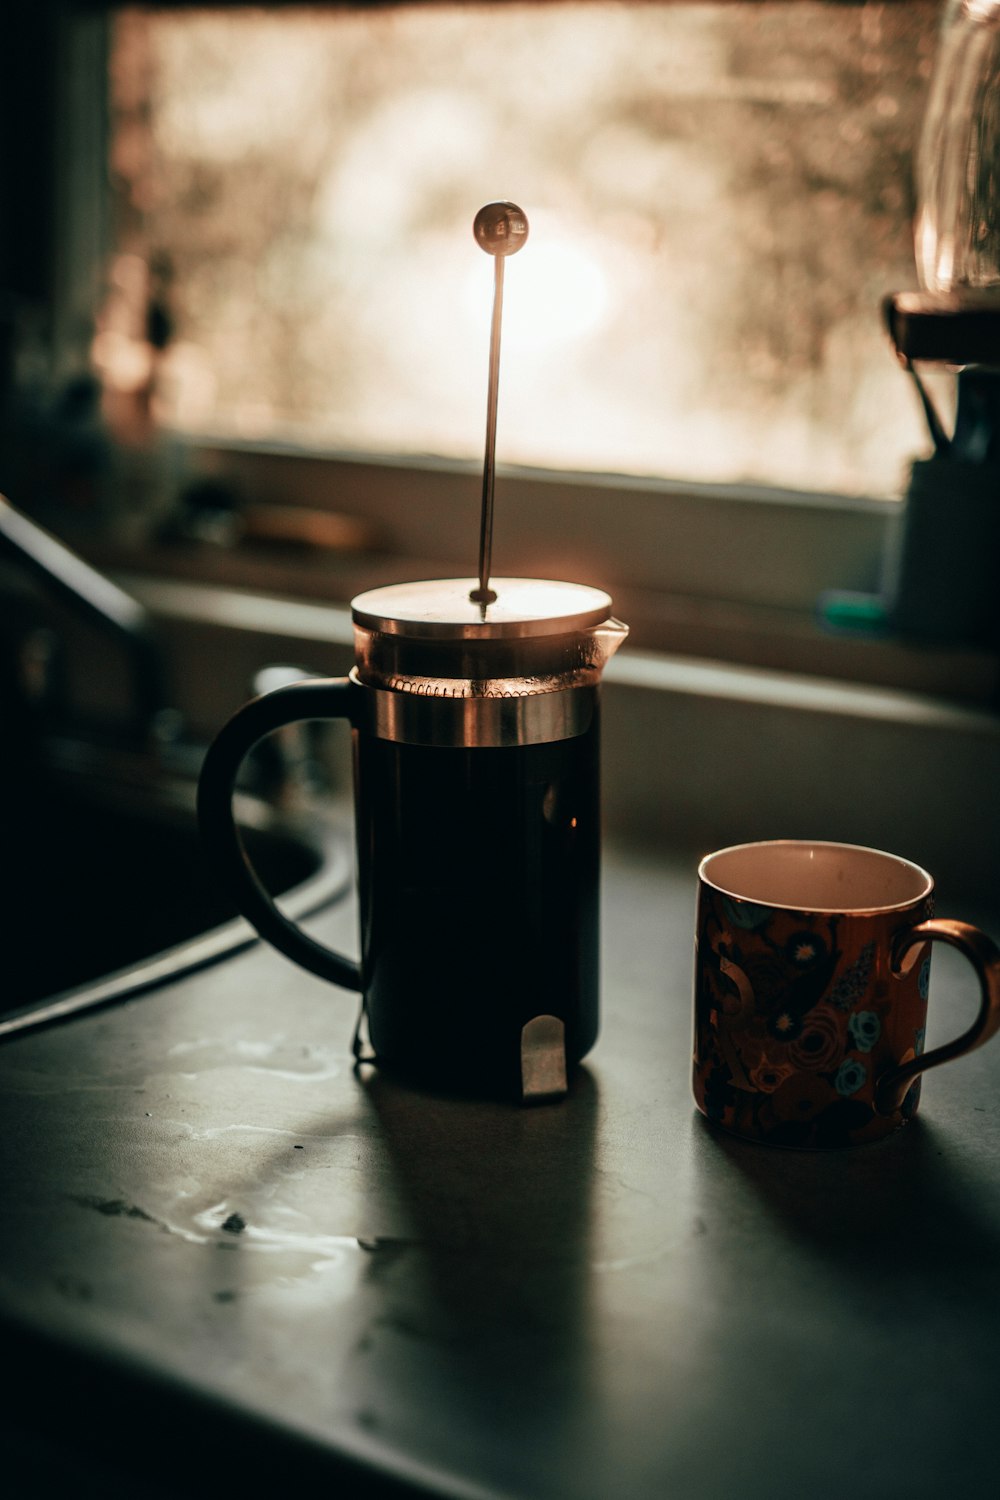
(226, 1258)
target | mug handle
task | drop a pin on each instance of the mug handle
(984, 955)
(315, 698)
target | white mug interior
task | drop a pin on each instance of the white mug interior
(816, 877)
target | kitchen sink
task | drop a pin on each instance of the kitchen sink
(105, 891)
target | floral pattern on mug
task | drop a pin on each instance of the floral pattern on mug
(851, 985)
(768, 1076)
(820, 1044)
(865, 1028)
(797, 1015)
(851, 1076)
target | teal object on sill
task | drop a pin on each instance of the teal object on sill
(854, 613)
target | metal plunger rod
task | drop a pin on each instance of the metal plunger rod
(490, 459)
(500, 229)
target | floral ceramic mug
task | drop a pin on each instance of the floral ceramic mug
(811, 975)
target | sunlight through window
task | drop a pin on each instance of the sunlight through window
(719, 196)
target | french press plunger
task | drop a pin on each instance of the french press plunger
(473, 705)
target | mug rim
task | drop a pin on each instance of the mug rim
(855, 911)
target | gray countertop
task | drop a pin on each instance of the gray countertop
(211, 1223)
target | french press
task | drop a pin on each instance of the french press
(473, 706)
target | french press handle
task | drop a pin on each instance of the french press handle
(315, 698)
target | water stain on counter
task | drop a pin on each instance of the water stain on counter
(274, 1253)
(278, 1058)
(287, 1061)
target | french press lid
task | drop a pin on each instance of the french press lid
(534, 629)
(442, 609)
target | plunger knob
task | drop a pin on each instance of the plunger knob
(500, 228)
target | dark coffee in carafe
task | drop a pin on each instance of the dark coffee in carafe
(479, 873)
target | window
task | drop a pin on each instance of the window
(719, 196)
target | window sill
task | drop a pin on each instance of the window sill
(736, 633)
(726, 574)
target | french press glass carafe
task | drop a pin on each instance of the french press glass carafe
(477, 802)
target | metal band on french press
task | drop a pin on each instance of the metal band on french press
(481, 721)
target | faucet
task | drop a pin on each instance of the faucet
(282, 769)
(96, 598)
